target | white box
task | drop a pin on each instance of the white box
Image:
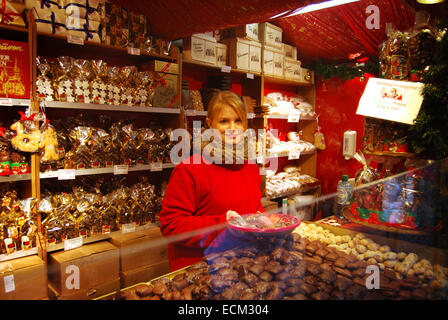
(292, 69)
(221, 54)
(201, 48)
(255, 56)
(238, 53)
(279, 60)
(270, 35)
(290, 51)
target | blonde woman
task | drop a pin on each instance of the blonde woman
(202, 189)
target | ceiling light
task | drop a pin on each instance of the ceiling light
(317, 6)
(429, 1)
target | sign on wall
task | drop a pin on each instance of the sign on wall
(393, 100)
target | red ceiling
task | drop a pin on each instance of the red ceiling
(332, 34)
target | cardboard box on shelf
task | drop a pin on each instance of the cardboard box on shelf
(290, 51)
(255, 57)
(273, 61)
(144, 274)
(140, 249)
(221, 54)
(23, 279)
(292, 69)
(97, 291)
(271, 35)
(200, 48)
(247, 31)
(238, 53)
(83, 268)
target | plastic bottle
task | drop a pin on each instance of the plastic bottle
(344, 192)
(285, 205)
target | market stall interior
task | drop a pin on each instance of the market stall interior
(100, 100)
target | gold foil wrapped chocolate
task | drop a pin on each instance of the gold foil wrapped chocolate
(44, 85)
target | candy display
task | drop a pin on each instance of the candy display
(289, 181)
(280, 104)
(381, 135)
(86, 211)
(294, 144)
(93, 81)
(14, 68)
(407, 200)
(80, 146)
(300, 266)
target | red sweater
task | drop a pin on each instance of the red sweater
(198, 196)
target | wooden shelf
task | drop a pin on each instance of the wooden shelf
(286, 82)
(8, 102)
(106, 107)
(15, 177)
(8, 27)
(198, 113)
(95, 48)
(390, 154)
(299, 191)
(286, 154)
(18, 254)
(208, 67)
(285, 117)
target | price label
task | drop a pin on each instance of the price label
(66, 174)
(9, 283)
(294, 117)
(6, 102)
(72, 243)
(128, 227)
(156, 166)
(250, 75)
(121, 169)
(226, 69)
(293, 155)
(260, 159)
(250, 115)
(134, 51)
(75, 39)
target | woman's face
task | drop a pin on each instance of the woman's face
(229, 124)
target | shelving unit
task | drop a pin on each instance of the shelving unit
(106, 107)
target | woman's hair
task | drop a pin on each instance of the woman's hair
(227, 98)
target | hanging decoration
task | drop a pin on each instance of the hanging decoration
(346, 71)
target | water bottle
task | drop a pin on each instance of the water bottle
(344, 192)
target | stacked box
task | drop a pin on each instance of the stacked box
(247, 31)
(273, 62)
(143, 255)
(50, 18)
(23, 279)
(200, 48)
(270, 35)
(86, 272)
(243, 54)
(11, 13)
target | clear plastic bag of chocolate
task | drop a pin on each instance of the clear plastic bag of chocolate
(129, 145)
(142, 89)
(99, 140)
(44, 85)
(124, 213)
(127, 85)
(63, 81)
(99, 82)
(109, 213)
(83, 75)
(88, 219)
(114, 85)
(81, 154)
(319, 139)
(27, 224)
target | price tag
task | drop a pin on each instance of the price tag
(66, 174)
(156, 166)
(226, 69)
(121, 169)
(260, 159)
(6, 102)
(293, 155)
(250, 75)
(72, 243)
(9, 283)
(128, 227)
(134, 51)
(294, 117)
(250, 115)
(75, 39)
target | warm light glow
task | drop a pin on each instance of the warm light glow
(315, 7)
(429, 1)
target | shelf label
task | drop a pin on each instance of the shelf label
(226, 69)
(294, 117)
(121, 169)
(156, 166)
(5, 102)
(294, 155)
(250, 75)
(128, 227)
(260, 159)
(72, 243)
(250, 115)
(66, 174)
(75, 39)
(9, 283)
(134, 51)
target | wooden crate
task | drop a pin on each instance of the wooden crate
(247, 31)
(272, 62)
(292, 69)
(290, 51)
(221, 54)
(199, 48)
